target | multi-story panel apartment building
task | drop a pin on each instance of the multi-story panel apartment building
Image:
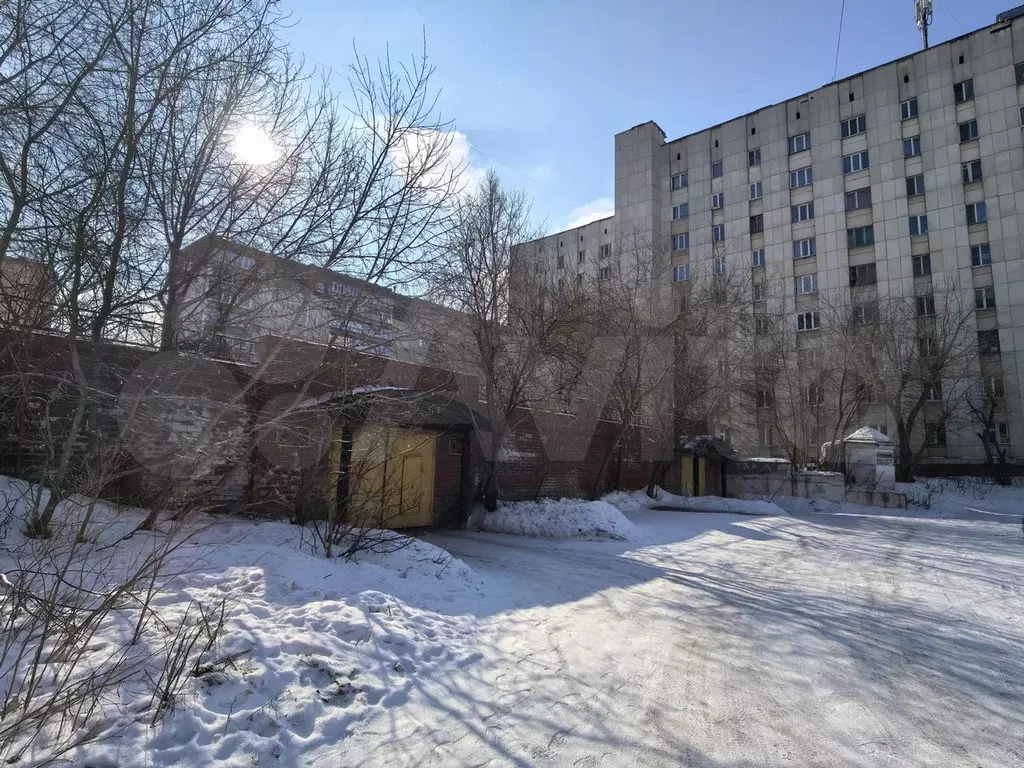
(908, 174)
(234, 297)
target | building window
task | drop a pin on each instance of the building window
(853, 126)
(922, 264)
(912, 146)
(908, 108)
(932, 391)
(606, 251)
(799, 143)
(334, 289)
(805, 248)
(864, 314)
(681, 273)
(581, 257)
(971, 171)
(969, 130)
(681, 180)
(918, 225)
(806, 284)
(859, 236)
(915, 185)
(927, 347)
(863, 274)
(865, 392)
(754, 157)
(757, 223)
(976, 213)
(810, 359)
(925, 305)
(605, 273)
(764, 398)
(803, 212)
(1020, 113)
(963, 91)
(758, 292)
(1002, 432)
(755, 190)
(985, 298)
(858, 198)
(717, 200)
(757, 257)
(764, 437)
(935, 434)
(981, 255)
(988, 342)
(760, 325)
(716, 170)
(801, 177)
(858, 161)
(815, 395)
(1018, 71)
(561, 261)
(994, 388)
(718, 265)
(718, 233)
(808, 321)
(681, 241)
(681, 211)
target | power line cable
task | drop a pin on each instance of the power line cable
(839, 39)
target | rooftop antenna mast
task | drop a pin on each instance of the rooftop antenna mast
(923, 13)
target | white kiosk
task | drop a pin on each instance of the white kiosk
(869, 459)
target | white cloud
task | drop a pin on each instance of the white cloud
(459, 158)
(462, 152)
(601, 208)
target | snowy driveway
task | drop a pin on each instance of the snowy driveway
(734, 641)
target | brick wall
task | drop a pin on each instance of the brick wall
(191, 429)
(557, 455)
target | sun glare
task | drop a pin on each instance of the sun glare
(254, 146)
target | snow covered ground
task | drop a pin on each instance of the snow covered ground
(855, 638)
(871, 638)
(321, 647)
(561, 519)
(636, 501)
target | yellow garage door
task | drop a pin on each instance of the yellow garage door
(392, 477)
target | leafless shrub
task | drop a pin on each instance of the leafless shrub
(367, 495)
(187, 654)
(60, 596)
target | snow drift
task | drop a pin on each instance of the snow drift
(564, 519)
(311, 649)
(638, 501)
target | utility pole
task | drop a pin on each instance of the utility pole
(923, 13)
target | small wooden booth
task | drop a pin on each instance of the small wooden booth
(703, 460)
(399, 458)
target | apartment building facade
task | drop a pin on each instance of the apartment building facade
(905, 176)
(234, 297)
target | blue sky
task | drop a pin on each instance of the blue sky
(539, 89)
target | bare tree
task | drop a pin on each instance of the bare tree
(652, 374)
(48, 52)
(524, 326)
(922, 355)
(805, 386)
(120, 145)
(986, 403)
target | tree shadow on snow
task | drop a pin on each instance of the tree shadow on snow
(858, 645)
